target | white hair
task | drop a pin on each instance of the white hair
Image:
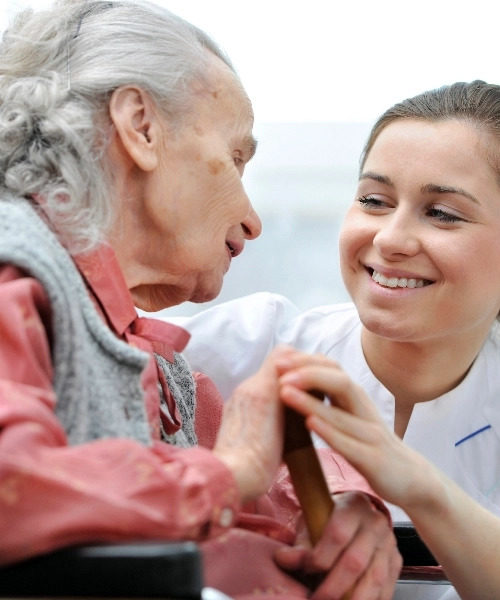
(58, 69)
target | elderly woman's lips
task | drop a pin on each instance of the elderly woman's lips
(234, 248)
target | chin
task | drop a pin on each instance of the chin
(204, 296)
(389, 329)
(155, 299)
(206, 290)
(151, 306)
(152, 298)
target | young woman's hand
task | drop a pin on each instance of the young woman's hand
(351, 425)
(447, 519)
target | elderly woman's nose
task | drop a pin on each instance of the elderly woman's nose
(252, 225)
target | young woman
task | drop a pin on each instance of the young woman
(420, 257)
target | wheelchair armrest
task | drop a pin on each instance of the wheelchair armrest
(148, 570)
(419, 564)
(143, 569)
(412, 548)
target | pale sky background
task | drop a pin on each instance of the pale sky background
(325, 60)
(319, 72)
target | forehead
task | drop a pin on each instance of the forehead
(418, 141)
(414, 131)
(220, 97)
(446, 153)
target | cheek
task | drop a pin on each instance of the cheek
(483, 260)
(230, 203)
(476, 254)
(351, 237)
(347, 255)
(344, 245)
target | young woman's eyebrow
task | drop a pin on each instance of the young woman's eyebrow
(429, 188)
(432, 188)
(376, 177)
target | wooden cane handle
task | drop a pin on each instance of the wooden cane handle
(307, 476)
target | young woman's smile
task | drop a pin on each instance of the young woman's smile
(420, 251)
(396, 279)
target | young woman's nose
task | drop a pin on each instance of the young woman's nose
(251, 225)
(397, 235)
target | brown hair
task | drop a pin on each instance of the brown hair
(477, 102)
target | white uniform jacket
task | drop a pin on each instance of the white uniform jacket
(459, 431)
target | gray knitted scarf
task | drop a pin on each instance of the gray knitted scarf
(97, 377)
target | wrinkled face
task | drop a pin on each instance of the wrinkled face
(195, 211)
(420, 246)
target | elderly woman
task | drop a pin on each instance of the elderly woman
(124, 133)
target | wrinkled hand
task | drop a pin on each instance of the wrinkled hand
(357, 552)
(353, 427)
(250, 439)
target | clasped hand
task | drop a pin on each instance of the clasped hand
(357, 552)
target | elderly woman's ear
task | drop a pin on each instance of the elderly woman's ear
(133, 114)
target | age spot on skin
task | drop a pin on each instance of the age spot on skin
(215, 166)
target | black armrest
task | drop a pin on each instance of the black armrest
(147, 570)
(412, 548)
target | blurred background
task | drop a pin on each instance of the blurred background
(319, 72)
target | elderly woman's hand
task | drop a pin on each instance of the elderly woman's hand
(250, 440)
(357, 552)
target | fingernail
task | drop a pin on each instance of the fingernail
(289, 378)
(283, 363)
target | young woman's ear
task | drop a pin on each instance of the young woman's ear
(136, 122)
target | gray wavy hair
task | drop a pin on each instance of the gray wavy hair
(58, 69)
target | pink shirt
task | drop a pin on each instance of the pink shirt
(53, 495)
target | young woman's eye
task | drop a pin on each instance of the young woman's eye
(443, 216)
(371, 202)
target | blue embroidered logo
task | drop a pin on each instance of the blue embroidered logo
(471, 435)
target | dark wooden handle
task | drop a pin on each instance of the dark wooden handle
(306, 475)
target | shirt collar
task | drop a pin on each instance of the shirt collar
(102, 273)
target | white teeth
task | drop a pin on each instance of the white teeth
(394, 282)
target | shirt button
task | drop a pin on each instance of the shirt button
(226, 517)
